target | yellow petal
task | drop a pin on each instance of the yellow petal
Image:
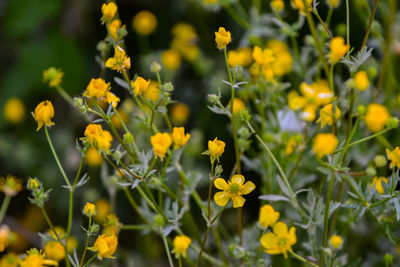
(292, 236)
(247, 188)
(221, 198)
(280, 228)
(238, 201)
(269, 240)
(220, 184)
(237, 179)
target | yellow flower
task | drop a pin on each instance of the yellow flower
(14, 110)
(238, 105)
(181, 244)
(234, 190)
(97, 88)
(103, 209)
(179, 138)
(298, 4)
(92, 131)
(333, 3)
(9, 260)
(54, 250)
(6, 237)
(140, 85)
(336, 241)
(216, 148)
(59, 231)
(114, 26)
(160, 142)
(324, 144)
(93, 157)
(53, 76)
(277, 5)
(290, 146)
(120, 61)
(234, 58)
(112, 99)
(10, 185)
(263, 57)
(152, 93)
(98, 137)
(222, 38)
(185, 38)
(105, 246)
(280, 241)
(179, 113)
(89, 209)
(35, 258)
(109, 10)
(144, 22)
(171, 59)
(377, 182)
(338, 49)
(361, 81)
(394, 157)
(326, 115)
(72, 243)
(207, 2)
(104, 140)
(33, 183)
(268, 216)
(44, 112)
(376, 117)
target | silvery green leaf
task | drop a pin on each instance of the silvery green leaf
(273, 198)
(218, 110)
(204, 214)
(333, 206)
(97, 121)
(167, 230)
(397, 207)
(353, 195)
(161, 109)
(355, 62)
(362, 212)
(283, 187)
(85, 178)
(122, 83)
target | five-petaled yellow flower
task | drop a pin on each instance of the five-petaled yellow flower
(140, 85)
(10, 185)
(43, 114)
(216, 148)
(109, 10)
(181, 244)
(160, 142)
(222, 38)
(376, 117)
(336, 241)
(234, 190)
(394, 157)
(179, 138)
(89, 209)
(120, 61)
(324, 144)
(268, 216)
(280, 241)
(112, 99)
(326, 115)
(105, 246)
(338, 49)
(377, 182)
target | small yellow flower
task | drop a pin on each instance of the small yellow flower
(14, 110)
(104, 140)
(377, 182)
(280, 241)
(89, 209)
(263, 57)
(208, 2)
(324, 144)
(98, 137)
(43, 114)
(298, 4)
(97, 88)
(112, 99)
(268, 216)
(179, 138)
(54, 250)
(234, 190)
(72, 243)
(338, 49)
(326, 115)
(33, 183)
(140, 85)
(9, 260)
(333, 3)
(160, 142)
(10, 185)
(105, 246)
(53, 76)
(152, 93)
(361, 81)
(216, 148)
(336, 241)
(181, 244)
(109, 10)
(144, 22)
(35, 258)
(171, 59)
(92, 131)
(394, 157)
(222, 38)
(376, 117)
(93, 157)
(290, 146)
(114, 26)
(6, 237)
(179, 113)
(103, 209)
(235, 58)
(238, 105)
(120, 61)
(277, 5)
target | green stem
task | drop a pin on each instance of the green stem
(4, 207)
(134, 204)
(364, 139)
(236, 17)
(87, 242)
(303, 259)
(90, 260)
(139, 227)
(326, 217)
(65, 95)
(171, 264)
(347, 26)
(315, 12)
(371, 19)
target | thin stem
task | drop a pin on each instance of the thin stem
(315, 12)
(4, 207)
(65, 95)
(240, 224)
(180, 261)
(90, 260)
(134, 204)
(303, 259)
(326, 217)
(171, 264)
(347, 26)
(364, 139)
(371, 19)
(87, 241)
(139, 227)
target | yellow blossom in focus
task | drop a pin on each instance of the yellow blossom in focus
(324, 144)
(112, 99)
(160, 142)
(326, 115)
(152, 93)
(144, 22)
(267, 216)
(222, 38)
(98, 137)
(14, 110)
(238, 105)
(89, 209)
(103, 209)
(140, 85)
(394, 157)
(53, 76)
(280, 241)
(234, 190)
(10, 185)
(92, 131)
(179, 113)
(376, 117)
(181, 244)
(263, 57)
(9, 260)
(277, 5)
(113, 28)
(120, 61)
(93, 157)
(179, 138)
(105, 246)
(337, 49)
(97, 88)
(109, 10)
(333, 3)
(298, 4)
(171, 59)
(216, 148)
(336, 241)
(54, 250)
(377, 182)
(43, 114)
(361, 81)
(104, 141)
(35, 258)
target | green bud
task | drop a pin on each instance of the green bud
(244, 115)
(94, 228)
(244, 133)
(102, 46)
(168, 87)
(388, 259)
(218, 170)
(129, 138)
(361, 110)
(392, 123)
(213, 99)
(238, 70)
(159, 220)
(380, 161)
(155, 67)
(372, 72)
(371, 171)
(341, 29)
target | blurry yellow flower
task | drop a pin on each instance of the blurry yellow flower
(234, 190)
(171, 59)
(105, 246)
(89, 209)
(152, 93)
(376, 117)
(361, 81)
(377, 182)
(9, 260)
(140, 85)
(35, 258)
(181, 244)
(280, 241)
(216, 148)
(160, 142)
(234, 58)
(14, 110)
(112, 99)
(324, 144)
(44, 112)
(72, 243)
(333, 3)
(394, 157)
(210, 1)
(33, 183)
(179, 113)
(263, 57)
(326, 115)
(338, 49)
(290, 146)
(277, 5)
(222, 38)
(144, 22)
(109, 10)
(185, 38)
(298, 4)
(59, 230)
(7, 237)
(112, 226)
(179, 138)
(113, 28)
(238, 105)
(54, 250)
(120, 61)
(93, 157)
(103, 209)
(336, 241)
(268, 216)
(53, 76)
(97, 88)
(10, 185)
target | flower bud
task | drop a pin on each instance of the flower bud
(380, 161)
(89, 209)
(155, 67)
(159, 220)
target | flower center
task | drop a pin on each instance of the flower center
(234, 188)
(282, 241)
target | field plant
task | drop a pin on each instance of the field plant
(301, 168)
